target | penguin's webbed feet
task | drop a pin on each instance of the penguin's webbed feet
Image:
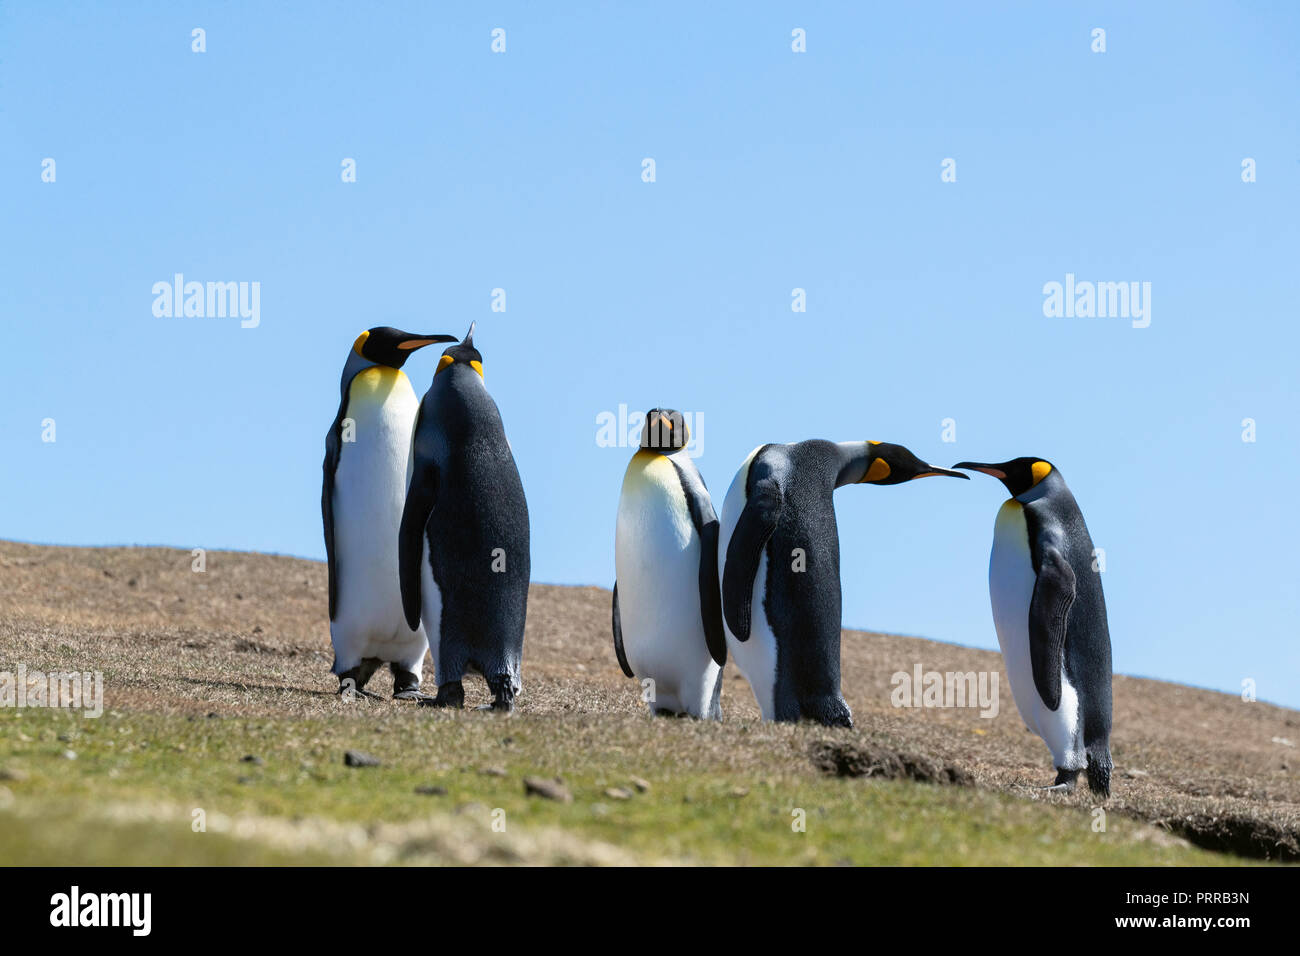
(350, 689)
(1064, 783)
(503, 695)
(353, 693)
(406, 685)
(450, 694)
(411, 694)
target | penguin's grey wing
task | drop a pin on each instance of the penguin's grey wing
(705, 520)
(1048, 610)
(745, 551)
(618, 637)
(333, 443)
(421, 496)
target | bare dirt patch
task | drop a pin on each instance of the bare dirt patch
(874, 760)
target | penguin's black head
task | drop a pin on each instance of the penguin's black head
(384, 345)
(464, 353)
(893, 464)
(665, 431)
(1018, 474)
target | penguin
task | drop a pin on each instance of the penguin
(778, 548)
(464, 544)
(668, 616)
(367, 463)
(1050, 616)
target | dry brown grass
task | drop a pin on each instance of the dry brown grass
(249, 637)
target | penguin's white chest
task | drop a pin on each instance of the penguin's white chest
(657, 557)
(1011, 590)
(756, 657)
(369, 495)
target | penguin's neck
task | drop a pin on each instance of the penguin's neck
(355, 363)
(1051, 482)
(853, 461)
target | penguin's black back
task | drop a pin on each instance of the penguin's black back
(803, 608)
(1087, 657)
(480, 508)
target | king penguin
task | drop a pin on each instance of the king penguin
(464, 538)
(779, 552)
(1050, 616)
(367, 464)
(668, 615)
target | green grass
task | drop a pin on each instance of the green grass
(715, 797)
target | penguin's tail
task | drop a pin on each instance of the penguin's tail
(1099, 768)
(715, 702)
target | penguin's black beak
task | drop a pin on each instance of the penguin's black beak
(413, 342)
(469, 336)
(932, 471)
(993, 470)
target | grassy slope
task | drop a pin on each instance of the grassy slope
(144, 774)
(204, 669)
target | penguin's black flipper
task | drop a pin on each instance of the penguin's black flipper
(711, 594)
(333, 442)
(745, 551)
(705, 520)
(1048, 611)
(421, 496)
(618, 637)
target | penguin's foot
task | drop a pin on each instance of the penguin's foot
(413, 693)
(1065, 781)
(352, 693)
(351, 689)
(406, 684)
(503, 695)
(450, 694)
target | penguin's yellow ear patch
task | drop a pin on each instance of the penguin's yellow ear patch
(478, 367)
(879, 469)
(361, 341)
(444, 362)
(1040, 470)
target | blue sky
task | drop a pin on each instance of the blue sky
(774, 170)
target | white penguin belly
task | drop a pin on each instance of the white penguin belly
(756, 657)
(1011, 590)
(657, 558)
(369, 494)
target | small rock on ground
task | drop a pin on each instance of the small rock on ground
(548, 789)
(355, 758)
